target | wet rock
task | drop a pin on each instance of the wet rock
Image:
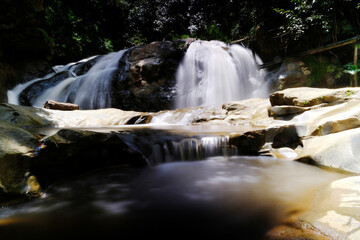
(248, 143)
(21, 143)
(30, 93)
(16, 150)
(286, 136)
(74, 152)
(149, 80)
(296, 231)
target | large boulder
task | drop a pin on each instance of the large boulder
(339, 151)
(149, 81)
(25, 130)
(16, 150)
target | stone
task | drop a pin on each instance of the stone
(296, 231)
(149, 81)
(307, 97)
(16, 150)
(339, 151)
(293, 73)
(22, 130)
(24, 117)
(75, 152)
(285, 110)
(329, 119)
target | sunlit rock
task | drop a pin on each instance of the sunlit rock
(252, 111)
(338, 150)
(306, 96)
(26, 117)
(328, 119)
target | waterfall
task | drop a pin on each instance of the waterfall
(191, 149)
(90, 90)
(213, 72)
(210, 73)
(157, 146)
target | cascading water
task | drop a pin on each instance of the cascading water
(213, 72)
(93, 88)
(90, 90)
(210, 73)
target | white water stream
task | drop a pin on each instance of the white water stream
(90, 90)
(213, 72)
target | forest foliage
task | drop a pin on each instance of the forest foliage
(87, 27)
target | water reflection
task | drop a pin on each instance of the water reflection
(238, 196)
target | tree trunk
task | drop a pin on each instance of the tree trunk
(355, 64)
(51, 104)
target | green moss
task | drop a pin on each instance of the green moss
(349, 93)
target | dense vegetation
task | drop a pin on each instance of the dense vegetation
(86, 27)
(37, 34)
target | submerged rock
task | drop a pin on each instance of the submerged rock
(336, 213)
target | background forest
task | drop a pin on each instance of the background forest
(86, 27)
(37, 34)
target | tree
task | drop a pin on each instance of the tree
(316, 22)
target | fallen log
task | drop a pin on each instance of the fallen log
(51, 104)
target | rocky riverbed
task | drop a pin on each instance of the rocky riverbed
(40, 147)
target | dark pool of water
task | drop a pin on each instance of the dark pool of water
(237, 197)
